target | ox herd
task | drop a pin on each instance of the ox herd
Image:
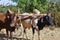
(36, 22)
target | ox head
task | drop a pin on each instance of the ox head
(15, 21)
(49, 19)
(45, 20)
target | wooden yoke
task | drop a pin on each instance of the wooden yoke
(32, 15)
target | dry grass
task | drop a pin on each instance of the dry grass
(46, 34)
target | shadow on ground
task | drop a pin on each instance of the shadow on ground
(4, 37)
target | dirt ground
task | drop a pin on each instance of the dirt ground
(46, 34)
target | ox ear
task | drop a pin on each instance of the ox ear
(17, 17)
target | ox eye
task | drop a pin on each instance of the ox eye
(17, 17)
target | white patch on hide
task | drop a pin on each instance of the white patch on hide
(36, 21)
(28, 21)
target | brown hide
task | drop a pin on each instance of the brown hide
(2, 17)
(25, 24)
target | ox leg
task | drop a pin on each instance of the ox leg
(7, 34)
(38, 35)
(11, 35)
(25, 34)
(37, 29)
(33, 29)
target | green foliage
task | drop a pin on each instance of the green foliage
(58, 6)
(29, 5)
(14, 8)
(54, 8)
(4, 8)
(56, 18)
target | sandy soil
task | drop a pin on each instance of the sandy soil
(45, 34)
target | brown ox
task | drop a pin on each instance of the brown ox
(4, 23)
(29, 22)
